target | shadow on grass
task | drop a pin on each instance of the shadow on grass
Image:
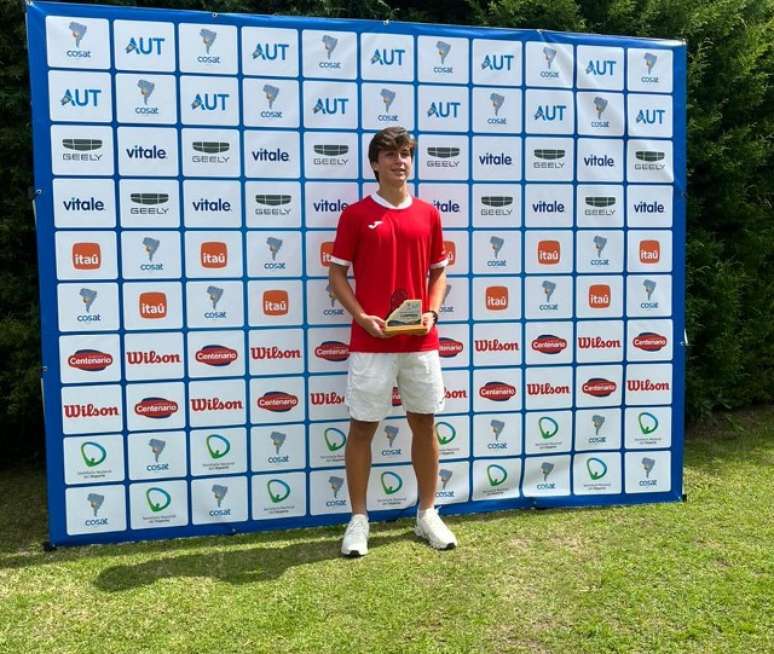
(233, 566)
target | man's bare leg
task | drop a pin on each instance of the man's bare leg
(424, 456)
(357, 457)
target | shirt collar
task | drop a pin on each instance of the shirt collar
(381, 201)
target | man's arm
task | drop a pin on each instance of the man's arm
(436, 287)
(374, 325)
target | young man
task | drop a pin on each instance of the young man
(393, 242)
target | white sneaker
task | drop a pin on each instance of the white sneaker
(431, 528)
(355, 541)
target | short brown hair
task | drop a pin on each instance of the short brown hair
(390, 140)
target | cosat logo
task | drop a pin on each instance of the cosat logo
(649, 285)
(649, 341)
(153, 305)
(496, 475)
(497, 243)
(78, 31)
(278, 490)
(650, 251)
(599, 387)
(599, 296)
(596, 468)
(278, 439)
(208, 39)
(598, 422)
(388, 97)
(445, 308)
(149, 204)
(157, 446)
(332, 351)
(548, 344)
(548, 289)
(599, 245)
(329, 43)
(219, 491)
(391, 432)
(90, 360)
(496, 298)
(275, 245)
(82, 97)
(648, 464)
(549, 158)
(146, 91)
(155, 407)
(213, 254)
(158, 499)
(443, 49)
(497, 391)
(271, 92)
(444, 476)
(95, 501)
(548, 427)
(445, 432)
(497, 429)
(332, 311)
(151, 246)
(449, 348)
(649, 61)
(277, 401)
(86, 256)
(647, 422)
(217, 446)
(334, 439)
(88, 296)
(271, 51)
(442, 157)
(546, 468)
(81, 149)
(549, 72)
(93, 454)
(549, 252)
(599, 205)
(275, 302)
(391, 482)
(600, 104)
(336, 484)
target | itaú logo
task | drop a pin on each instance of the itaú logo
(275, 302)
(496, 298)
(548, 252)
(90, 360)
(216, 355)
(497, 391)
(153, 305)
(332, 351)
(155, 407)
(650, 251)
(86, 256)
(213, 254)
(277, 401)
(599, 387)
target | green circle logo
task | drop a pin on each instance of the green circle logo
(335, 439)
(496, 474)
(445, 433)
(218, 446)
(278, 490)
(391, 482)
(92, 453)
(158, 499)
(548, 427)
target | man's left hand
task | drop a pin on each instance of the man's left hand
(428, 322)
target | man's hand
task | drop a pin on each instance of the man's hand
(375, 325)
(428, 322)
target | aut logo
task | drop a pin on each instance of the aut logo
(446, 109)
(599, 387)
(497, 62)
(86, 256)
(497, 391)
(90, 360)
(277, 401)
(650, 116)
(650, 251)
(496, 298)
(599, 296)
(153, 305)
(649, 341)
(145, 45)
(330, 106)
(549, 113)
(275, 302)
(278, 490)
(448, 347)
(271, 51)
(155, 407)
(210, 101)
(548, 252)
(601, 67)
(81, 97)
(332, 351)
(388, 57)
(326, 251)
(213, 254)
(391, 482)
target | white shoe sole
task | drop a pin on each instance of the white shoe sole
(435, 544)
(353, 554)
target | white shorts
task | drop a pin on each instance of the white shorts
(372, 376)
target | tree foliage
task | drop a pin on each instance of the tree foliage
(730, 251)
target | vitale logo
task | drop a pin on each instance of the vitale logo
(153, 153)
(83, 204)
(86, 256)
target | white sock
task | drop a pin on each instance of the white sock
(421, 513)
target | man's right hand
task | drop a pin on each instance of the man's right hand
(374, 325)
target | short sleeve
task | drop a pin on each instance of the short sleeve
(346, 239)
(438, 255)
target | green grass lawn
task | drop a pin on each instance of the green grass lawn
(682, 577)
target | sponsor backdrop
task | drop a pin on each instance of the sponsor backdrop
(190, 170)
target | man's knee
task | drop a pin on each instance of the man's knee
(422, 424)
(362, 429)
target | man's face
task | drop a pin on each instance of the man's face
(393, 166)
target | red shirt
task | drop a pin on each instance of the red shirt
(391, 250)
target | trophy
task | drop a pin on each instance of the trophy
(405, 315)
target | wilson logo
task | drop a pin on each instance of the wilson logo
(650, 251)
(259, 353)
(326, 399)
(548, 344)
(448, 347)
(90, 360)
(275, 302)
(451, 252)
(215, 404)
(216, 355)
(277, 401)
(549, 253)
(495, 345)
(89, 411)
(213, 254)
(547, 389)
(86, 256)
(332, 351)
(497, 391)
(646, 385)
(597, 343)
(599, 387)
(649, 341)
(155, 407)
(153, 305)
(326, 251)
(599, 296)
(496, 298)
(150, 357)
